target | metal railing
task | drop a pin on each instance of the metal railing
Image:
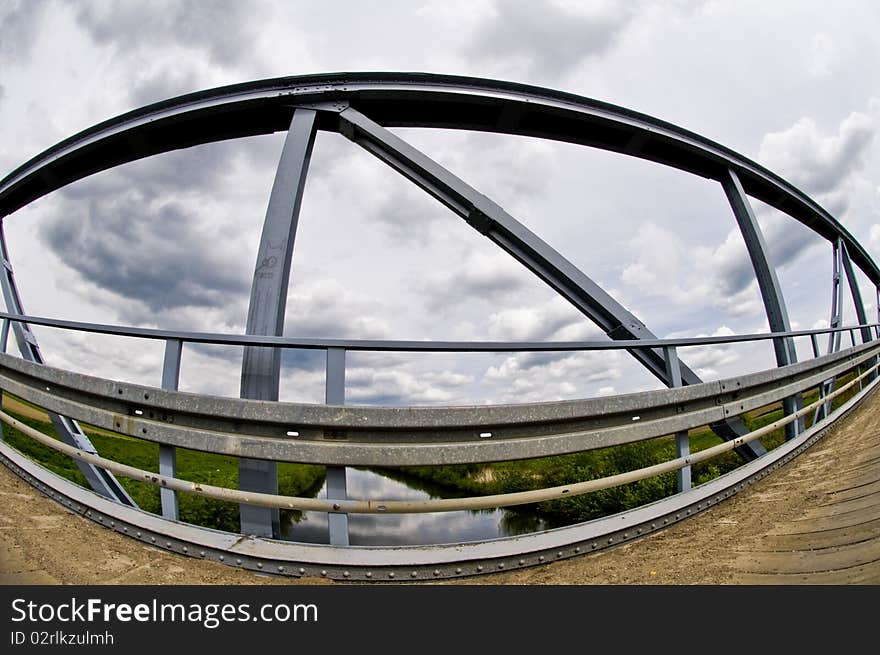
(380, 436)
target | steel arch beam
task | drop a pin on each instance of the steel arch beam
(540, 258)
(409, 100)
(768, 283)
(261, 367)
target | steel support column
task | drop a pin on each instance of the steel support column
(261, 367)
(855, 292)
(496, 224)
(682, 440)
(168, 454)
(101, 481)
(834, 321)
(336, 483)
(771, 291)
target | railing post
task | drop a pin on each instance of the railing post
(682, 440)
(336, 484)
(168, 454)
(815, 341)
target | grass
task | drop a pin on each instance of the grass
(207, 468)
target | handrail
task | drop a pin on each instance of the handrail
(417, 346)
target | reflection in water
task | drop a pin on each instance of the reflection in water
(405, 529)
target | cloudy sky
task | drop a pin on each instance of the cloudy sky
(170, 242)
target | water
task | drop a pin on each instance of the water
(406, 529)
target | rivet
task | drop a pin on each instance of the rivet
(480, 567)
(625, 535)
(323, 572)
(595, 545)
(345, 574)
(678, 516)
(222, 558)
(391, 575)
(653, 526)
(201, 553)
(238, 561)
(610, 540)
(436, 572)
(259, 565)
(521, 562)
(639, 531)
(501, 565)
(413, 574)
(88, 513)
(281, 569)
(112, 524)
(153, 539)
(302, 571)
(559, 554)
(541, 558)
(369, 574)
(168, 544)
(458, 570)
(185, 549)
(578, 549)
(138, 534)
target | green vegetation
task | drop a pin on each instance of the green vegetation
(219, 470)
(510, 477)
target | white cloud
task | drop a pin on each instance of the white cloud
(820, 164)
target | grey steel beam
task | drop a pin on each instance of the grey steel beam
(771, 291)
(261, 367)
(336, 482)
(682, 441)
(103, 482)
(855, 292)
(501, 228)
(168, 454)
(835, 321)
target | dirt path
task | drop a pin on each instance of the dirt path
(817, 520)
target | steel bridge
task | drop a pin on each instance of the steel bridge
(261, 431)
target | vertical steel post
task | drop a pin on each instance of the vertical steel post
(261, 366)
(682, 440)
(861, 314)
(168, 454)
(771, 291)
(834, 322)
(856, 293)
(100, 480)
(836, 298)
(336, 483)
(815, 342)
(4, 337)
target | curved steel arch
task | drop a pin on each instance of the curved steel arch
(409, 100)
(362, 107)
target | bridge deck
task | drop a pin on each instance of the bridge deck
(815, 521)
